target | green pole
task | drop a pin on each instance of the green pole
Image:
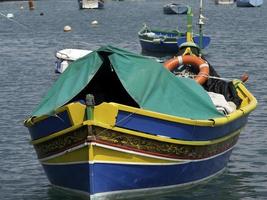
(90, 103)
(189, 33)
(200, 23)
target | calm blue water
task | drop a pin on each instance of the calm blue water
(27, 48)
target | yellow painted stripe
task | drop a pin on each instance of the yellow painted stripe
(76, 112)
(78, 155)
(164, 139)
(245, 109)
(101, 110)
(105, 154)
(94, 153)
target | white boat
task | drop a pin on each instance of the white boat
(67, 56)
(224, 2)
(175, 8)
(94, 4)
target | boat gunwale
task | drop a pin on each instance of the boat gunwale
(136, 133)
(146, 29)
(213, 122)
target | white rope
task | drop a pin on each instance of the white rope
(123, 119)
(203, 75)
(14, 21)
(219, 78)
(126, 117)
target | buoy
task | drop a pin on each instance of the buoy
(41, 13)
(10, 15)
(95, 22)
(244, 77)
(21, 7)
(67, 28)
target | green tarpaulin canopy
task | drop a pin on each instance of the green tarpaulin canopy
(151, 85)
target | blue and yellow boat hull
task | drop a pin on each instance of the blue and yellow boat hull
(111, 148)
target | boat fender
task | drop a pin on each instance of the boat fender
(197, 62)
(244, 77)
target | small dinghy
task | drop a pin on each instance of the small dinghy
(91, 4)
(67, 56)
(175, 8)
(224, 2)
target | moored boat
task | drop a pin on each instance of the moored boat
(166, 41)
(249, 3)
(115, 122)
(91, 4)
(224, 2)
(66, 56)
(175, 8)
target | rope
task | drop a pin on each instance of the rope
(56, 115)
(126, 117)
(204, 75)
(123, 119)
(105, 129)
(15, 21)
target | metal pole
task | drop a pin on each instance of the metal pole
(200, 23)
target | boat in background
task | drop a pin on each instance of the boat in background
(166, 41)
(93, 4)
(175, 8)
(118, 123)
(249, 3)
(224, 2)
(66, 56)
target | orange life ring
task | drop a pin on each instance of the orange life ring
(195, 61)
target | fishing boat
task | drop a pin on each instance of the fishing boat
(91, 4)
(249, 3)
(166, 41)
(117, 123)
(66, 56)
(175, 8)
